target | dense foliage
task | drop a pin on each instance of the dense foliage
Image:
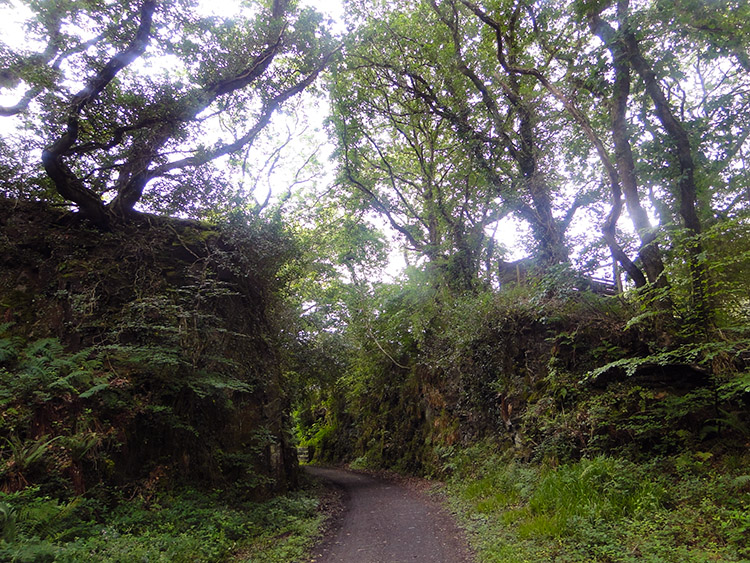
(451, 115)
(141, 358)
(182, 525)
(572, 416)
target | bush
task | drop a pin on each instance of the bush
(181, 526)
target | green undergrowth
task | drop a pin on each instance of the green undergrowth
(684, 508)
(178, 526)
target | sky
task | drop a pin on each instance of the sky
(331, 8)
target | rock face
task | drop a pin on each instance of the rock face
(142, 355)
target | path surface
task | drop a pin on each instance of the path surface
(385, 522)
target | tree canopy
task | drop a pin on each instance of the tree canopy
(449, 116)
(555, 107)
(131, 103)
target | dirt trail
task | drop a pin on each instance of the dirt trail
(385, 522)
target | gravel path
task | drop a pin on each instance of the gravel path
(386, 522)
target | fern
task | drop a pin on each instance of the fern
(736, 387)
(45, 518)
(152, 356)
(168, 417)
(8, 520)
(45, 348)
(25, 454)
(212, 383)
(8, 349)
(94, 390)
(643, 317)
(702, 353)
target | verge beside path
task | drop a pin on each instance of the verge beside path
(386, 522)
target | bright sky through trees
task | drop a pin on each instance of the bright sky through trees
(284, 157)
(452, 141)
(275, 160)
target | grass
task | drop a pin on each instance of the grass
(687, 508)
(682, 509)
(183, 526)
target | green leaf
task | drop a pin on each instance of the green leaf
(94, 390)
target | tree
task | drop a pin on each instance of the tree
(517, 120)
(166, 92)
(595, 91)
(405, 163)
(682, 115)
(502, 129)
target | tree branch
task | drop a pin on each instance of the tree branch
(66, 182)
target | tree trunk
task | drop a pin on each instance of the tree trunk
(649, 251)
(687, 190)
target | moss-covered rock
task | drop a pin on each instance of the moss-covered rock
(139, 356)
